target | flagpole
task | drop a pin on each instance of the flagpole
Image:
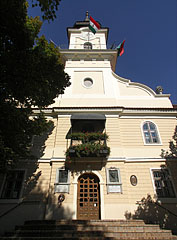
(88, 28)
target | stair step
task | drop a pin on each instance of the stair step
(91, 230)
(85, 222)
(44, 228)
(125, 237)
(71, 234)
(61, 238)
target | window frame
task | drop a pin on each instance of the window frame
(62, 187)
(165, 198)
(111, 186)
(157, 133)
(21, 187)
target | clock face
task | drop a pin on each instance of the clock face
(87, 35)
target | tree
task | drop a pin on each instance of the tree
(47, 7)
(31, 75)
(172, 153)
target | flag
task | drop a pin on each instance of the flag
(94, 26)
(120, 48)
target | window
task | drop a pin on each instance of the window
(150, 133)
(88, 82)
(13, 184)
(62, 181)
(163, 183)
(113, 180)
(87, 45)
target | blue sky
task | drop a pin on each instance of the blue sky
(149, 28)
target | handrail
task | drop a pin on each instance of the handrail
(14, 207)
(166, 209)
(11, 209)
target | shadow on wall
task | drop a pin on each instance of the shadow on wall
(40, 205)
(38, 199)
(153, 212)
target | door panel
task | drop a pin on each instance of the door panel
(88, 197)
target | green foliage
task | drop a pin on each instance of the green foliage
(48, 7)
(88, 149)
(32, 75)
(88, 136)
(92, 145)
(172, 153)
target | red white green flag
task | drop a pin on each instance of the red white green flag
(120, 48)
(94, 26)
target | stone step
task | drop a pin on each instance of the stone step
(84, 231)
(71, 234)
(59, 238)
(80, 227)
(91, 230)
(85, 222)
(121, 237)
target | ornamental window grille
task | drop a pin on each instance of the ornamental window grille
(163, 183)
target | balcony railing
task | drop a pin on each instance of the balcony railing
(87, 145)
(81, 46)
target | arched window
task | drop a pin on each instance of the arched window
(150, 133)
(87, 45)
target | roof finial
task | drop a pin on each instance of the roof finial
(159, 90)
(87, 16)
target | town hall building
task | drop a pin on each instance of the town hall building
(102, 157)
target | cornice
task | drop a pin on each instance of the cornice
(111, 110)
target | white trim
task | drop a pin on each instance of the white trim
(49, 160)
(139, 85)
(75, 183)
(64, 115)
(157, 131)
(145, 160)
(44, 161)
(148, 117)
(130, 160)
(112, 159)
(112, 116)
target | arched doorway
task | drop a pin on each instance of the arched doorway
(88, 197)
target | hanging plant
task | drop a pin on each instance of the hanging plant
(87, 150)
(88, 136)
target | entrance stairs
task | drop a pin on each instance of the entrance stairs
(88, 230)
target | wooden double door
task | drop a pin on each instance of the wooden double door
(88, 197)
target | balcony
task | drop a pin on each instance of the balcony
(89, 144)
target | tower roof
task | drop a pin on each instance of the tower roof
(85, 23)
